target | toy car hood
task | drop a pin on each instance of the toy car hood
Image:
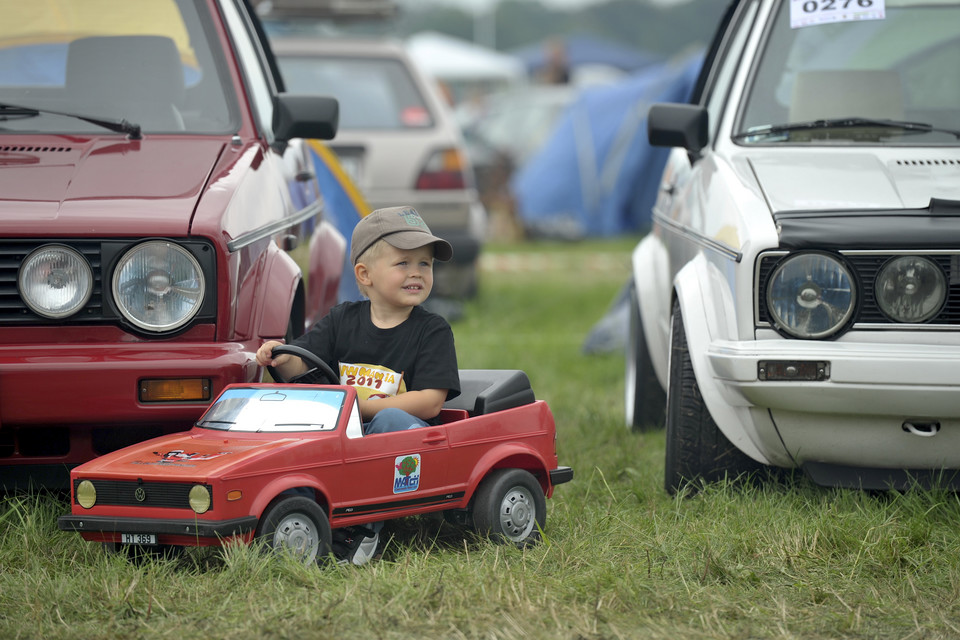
(805, 180)
(192, 455)
(65, 188)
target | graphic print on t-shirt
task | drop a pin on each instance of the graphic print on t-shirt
(372, 381)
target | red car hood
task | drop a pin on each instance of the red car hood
(196, 455)
(53, 185)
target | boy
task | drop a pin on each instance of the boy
(399, 356)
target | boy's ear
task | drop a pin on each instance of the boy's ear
(361, 273)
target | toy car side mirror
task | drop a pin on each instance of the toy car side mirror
(678, 125)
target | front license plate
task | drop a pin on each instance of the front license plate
(138, 538)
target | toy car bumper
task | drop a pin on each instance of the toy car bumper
(560, 475)
(193, 528)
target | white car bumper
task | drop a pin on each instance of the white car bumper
(889, 405)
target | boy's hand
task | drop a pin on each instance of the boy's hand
(265, 355)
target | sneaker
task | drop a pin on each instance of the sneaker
(355, 545)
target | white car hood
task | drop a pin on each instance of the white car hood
(841, 179)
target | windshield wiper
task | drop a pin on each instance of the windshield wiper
(119, 126)
(843, 123)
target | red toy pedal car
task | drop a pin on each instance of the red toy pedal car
(289, 463)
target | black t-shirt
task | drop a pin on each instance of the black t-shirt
(417, 354)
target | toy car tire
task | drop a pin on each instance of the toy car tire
(296, 525)
(696, 448)
(644, 401)
(510, 507)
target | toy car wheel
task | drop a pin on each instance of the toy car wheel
(696, 448)
(318, 371)
(644, 399)
(510, 507)
(298, 526)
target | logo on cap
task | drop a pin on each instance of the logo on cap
(412, 218)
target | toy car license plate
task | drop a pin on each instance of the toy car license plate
(138, 538)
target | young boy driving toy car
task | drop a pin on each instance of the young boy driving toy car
(399, 356)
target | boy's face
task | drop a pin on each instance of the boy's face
(400, 277)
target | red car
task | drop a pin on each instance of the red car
(150, 188)
(288, 463)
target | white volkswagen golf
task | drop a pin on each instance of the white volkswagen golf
(798, 297)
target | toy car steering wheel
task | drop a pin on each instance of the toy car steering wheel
(318, 371)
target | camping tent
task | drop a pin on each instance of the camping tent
(585, 51)
(597, 174)
(463, 66)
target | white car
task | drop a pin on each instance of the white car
(798, 297)
(396, 139)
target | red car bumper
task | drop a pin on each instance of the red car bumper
(62, 404)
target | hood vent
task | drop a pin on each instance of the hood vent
(20, 149)
(947, 162)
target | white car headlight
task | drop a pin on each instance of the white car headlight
(55, 281)
(158, 286)
(811, 295)
(911, 289)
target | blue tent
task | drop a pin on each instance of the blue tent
(597, 174)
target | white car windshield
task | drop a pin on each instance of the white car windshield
(83, 66)
(877, 72)
(275, 409)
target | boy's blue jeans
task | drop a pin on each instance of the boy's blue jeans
(392, 419)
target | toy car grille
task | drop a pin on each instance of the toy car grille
(866, 266)
(12, 308)
(174, 495)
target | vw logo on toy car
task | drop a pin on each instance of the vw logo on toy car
(140, 494)
(406, 473)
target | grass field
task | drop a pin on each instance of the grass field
(620, 558)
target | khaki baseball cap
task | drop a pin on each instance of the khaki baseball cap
(401, 227)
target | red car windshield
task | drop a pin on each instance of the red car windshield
(147, 62)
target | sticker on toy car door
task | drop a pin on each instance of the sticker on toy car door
(406, 473)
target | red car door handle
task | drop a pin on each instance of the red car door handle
(433, 438)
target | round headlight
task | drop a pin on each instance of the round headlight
(55, 281)
(86, 494)
(811, 295)
(158, 286)
(199, 498)
(911, 289)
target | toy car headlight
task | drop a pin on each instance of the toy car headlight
(910, 289)
(55, 281)
(158, 286)
(199, 498)
(811, 295)
(86, 494)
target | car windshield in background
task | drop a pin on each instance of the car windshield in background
(374, 93)
(275, 409)
(147, 63)
(888, 77)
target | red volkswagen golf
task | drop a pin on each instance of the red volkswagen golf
(152, 180)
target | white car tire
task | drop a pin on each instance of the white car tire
(697, 451)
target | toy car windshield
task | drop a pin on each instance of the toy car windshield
(275, 409)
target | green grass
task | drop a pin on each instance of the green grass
(620, 558)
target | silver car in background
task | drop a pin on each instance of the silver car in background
(397, 139)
